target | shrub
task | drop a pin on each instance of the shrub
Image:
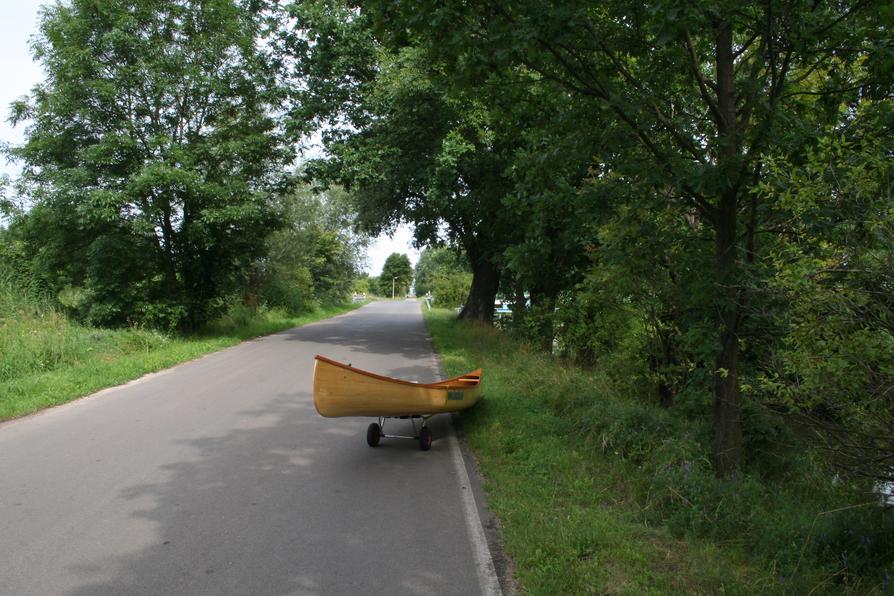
(451, 289)
(36, 338)
(292, 290)
(793, 516)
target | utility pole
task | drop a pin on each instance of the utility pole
(392, 287)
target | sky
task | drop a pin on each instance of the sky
(18, 74)
(383, 246)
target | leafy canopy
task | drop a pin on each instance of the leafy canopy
(397, 275)
(151, 153)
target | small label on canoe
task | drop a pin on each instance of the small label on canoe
(454, 396)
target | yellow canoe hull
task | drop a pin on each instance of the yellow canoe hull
(342, 390)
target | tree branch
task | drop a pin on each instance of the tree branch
(694, 64)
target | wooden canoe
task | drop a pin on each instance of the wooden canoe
(342, 390)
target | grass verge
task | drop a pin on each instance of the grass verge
(48, 360)
(581, 511)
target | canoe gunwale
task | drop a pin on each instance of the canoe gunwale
(466, 381)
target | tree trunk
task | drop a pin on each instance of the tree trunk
(170, 267)
(485, 283)
(660, 364)
(519, 303)
(727, 406)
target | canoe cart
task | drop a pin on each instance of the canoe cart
(342, 390)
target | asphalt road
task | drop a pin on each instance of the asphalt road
(219, 477)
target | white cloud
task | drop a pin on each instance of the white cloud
(383, 246)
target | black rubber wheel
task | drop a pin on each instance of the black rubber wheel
(425, 439)
(373, 434)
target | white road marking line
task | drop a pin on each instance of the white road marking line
(484, 563)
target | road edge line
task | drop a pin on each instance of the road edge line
(488, 580)
(484, 562)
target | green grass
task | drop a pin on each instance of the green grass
(580, 506)
(46, 360)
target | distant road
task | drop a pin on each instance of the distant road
(219, 477)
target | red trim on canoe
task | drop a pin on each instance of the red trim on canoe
(466, 381)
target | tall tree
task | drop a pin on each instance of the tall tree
(397, 272)
(705, 88)
(404, 143)
(315, 255)
(150, 153)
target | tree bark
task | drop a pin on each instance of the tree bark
(170, 266)
(727, 407)
(485, 284)
(660, 362)
(727, 403)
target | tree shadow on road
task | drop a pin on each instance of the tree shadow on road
(288, 502)
(377, 329)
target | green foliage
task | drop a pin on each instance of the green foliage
(565, 454)
(794, 515)
(397, 275)
(7, 205)
(450, 290)
(836, 276)
(793, 528)
(35, 338)
(362, 284)
(149, 157)
(693, 202)
(409, 145)
(681, 106)
(291, 289)
(375, 286)
(314, 257)
(568, 519)
(49, 360)
(433, 262)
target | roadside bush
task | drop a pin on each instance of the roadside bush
(588, 327)
(644, 435)
(361, 285)
(164, 315)
(451, 289)
(858, 541)
(291, 290)
(788, 514)
(794, 519)
(18, 288)
(34, 341)
(796, 526)
(693, 502)
(238, 316)
(36, 338)
(788, 509)
(437, 261)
